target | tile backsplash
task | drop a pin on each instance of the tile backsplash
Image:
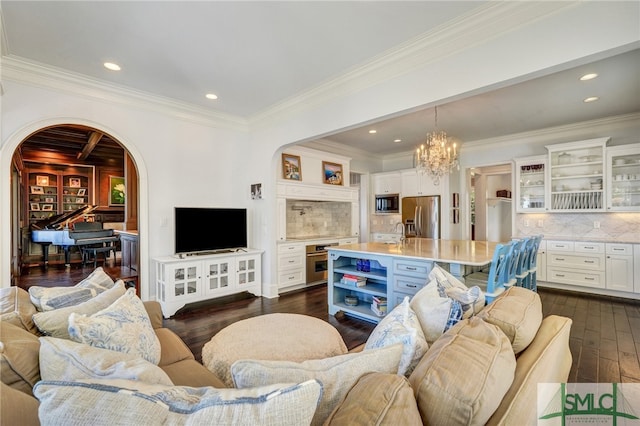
(318, 219)
(622, 227)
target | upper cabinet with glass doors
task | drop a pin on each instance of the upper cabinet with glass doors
(577, 175)
(623, 178)
(530, 184)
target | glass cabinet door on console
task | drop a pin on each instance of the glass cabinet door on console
(530, 184)
(623, 178)
(577, 175)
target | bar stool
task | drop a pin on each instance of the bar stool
(522, 267)
(532, 278)
(492, 283)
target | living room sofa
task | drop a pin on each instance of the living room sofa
(483, 370)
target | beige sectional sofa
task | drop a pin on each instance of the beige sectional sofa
(484, 370)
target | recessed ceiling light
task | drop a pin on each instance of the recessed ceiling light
(211, 96)
(588, 76)
(111, 66)
(591, 99)
(397, 140)
(372, 131)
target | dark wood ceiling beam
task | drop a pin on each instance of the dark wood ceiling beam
(94, 138)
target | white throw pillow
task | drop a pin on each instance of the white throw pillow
(56, 323)
(62, 359)
(124, 327)
(337, 374)
(436, 313)
(401, 325)
(123, 402)
(50, 298)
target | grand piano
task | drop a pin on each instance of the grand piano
(55, 230)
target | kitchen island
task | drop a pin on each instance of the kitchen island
(369, 274)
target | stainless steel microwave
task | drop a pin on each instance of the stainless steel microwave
(388, 203)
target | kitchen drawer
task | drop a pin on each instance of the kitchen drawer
(348, 241)
(408, 284)
(412, 268)
(289, 278)
(293, 261)
(589, 247)
(582, 278)
(577, 261)
(291, 248)
(560, 245)
(621, 249)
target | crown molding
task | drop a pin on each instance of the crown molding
(326, 145)
(45, 76)
(544, 134)
(483, 24)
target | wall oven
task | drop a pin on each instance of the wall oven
(388, 203)
(317, 264)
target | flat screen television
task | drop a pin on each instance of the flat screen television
(202, 229)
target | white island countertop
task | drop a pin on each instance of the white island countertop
(462, 252)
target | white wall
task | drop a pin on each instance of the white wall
(186, 161)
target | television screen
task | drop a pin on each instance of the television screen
(201, 229)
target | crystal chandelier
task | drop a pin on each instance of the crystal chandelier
(438, 155)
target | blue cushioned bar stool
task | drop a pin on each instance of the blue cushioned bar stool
(532, 277)
(522, 267)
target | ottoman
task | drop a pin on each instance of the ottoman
(274, 337)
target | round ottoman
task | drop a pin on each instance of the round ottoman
(277, 337)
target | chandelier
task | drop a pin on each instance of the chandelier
(438, 155)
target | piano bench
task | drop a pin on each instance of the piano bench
(89, 252)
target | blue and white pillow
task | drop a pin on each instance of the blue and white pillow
(50, 298)
(401, 325)
(124, 327)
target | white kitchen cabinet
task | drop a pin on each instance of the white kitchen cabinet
(386, 183)
(352, 240)
(281, 218)
(291, 264)
(576, 263)
(409, 276)
(180, 281)
(619, 264)
(355, 218)
(577, 176)
(531, 183)
(623, 178)
(416, 184)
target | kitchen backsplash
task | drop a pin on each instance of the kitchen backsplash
(385, 223)
(622, 227)
(318, 219)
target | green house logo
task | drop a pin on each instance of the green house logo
(588, 403)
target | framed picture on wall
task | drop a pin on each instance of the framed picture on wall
(37, 190)
(291, 168)
(331, 173)
(74, 182)
(42, 180)
(116, 191)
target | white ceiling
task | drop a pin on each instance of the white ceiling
(254, 55)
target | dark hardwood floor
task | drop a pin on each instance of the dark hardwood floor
(605, 335)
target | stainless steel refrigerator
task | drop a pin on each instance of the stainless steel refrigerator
(421, 216)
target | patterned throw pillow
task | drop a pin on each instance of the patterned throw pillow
(337, 374)
(127, 402)
(124, 327)
(471, 299)
(56, 323)
(70, 361)
(435, 311)
(50, 298)
(401, 325)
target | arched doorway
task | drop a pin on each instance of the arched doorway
(56, 171)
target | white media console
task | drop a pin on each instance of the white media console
(182, 279)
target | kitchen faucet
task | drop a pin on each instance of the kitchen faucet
(402, 236)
